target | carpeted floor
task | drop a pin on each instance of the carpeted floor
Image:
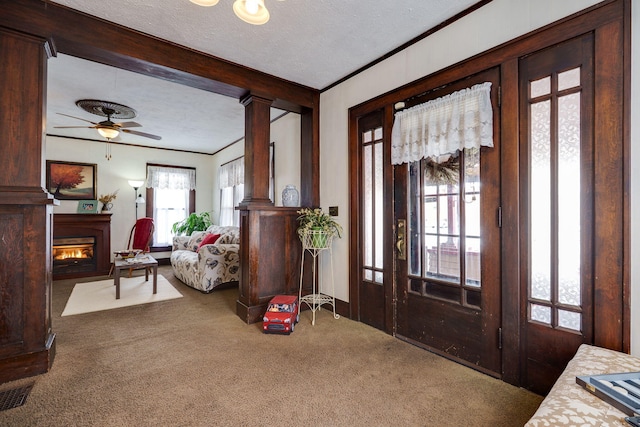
(192, 362)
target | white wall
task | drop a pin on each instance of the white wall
(285, 134)
(127, 163)
(491, 25)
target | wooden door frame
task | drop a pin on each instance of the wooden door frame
(610, 22)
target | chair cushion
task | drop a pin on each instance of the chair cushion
(209, 239)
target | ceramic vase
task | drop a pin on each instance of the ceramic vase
(290, 196)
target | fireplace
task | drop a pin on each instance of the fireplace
(74, 254)
(81, 245)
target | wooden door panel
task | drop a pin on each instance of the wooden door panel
(457, 319)
(546, 145)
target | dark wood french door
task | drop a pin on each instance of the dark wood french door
(556, 151)
(375, 280)
(448, 275)
(434, 267)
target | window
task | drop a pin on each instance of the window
(170, 198)
(231, 182)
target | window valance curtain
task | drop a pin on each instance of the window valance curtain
(231, 174)
(440, 127)
(168, 178)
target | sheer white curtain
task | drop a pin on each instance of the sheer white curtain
(440, 127)
(231, 183)
(168, 178)
(171, 187)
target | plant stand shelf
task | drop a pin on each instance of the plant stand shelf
(315, 300)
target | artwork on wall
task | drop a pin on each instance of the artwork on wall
(87, 206)
(71, 180)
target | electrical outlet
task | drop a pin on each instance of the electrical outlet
(333, 210)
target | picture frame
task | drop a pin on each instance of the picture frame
(87, 206)
(71, 180)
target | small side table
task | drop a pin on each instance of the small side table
(145, 261)
(314, 243)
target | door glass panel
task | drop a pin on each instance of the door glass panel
(540, 313)
(450, 233)
(367, 205)
(555, 203)
(378, 176)
(413, 237)
(569, 320)
(540, 87)
(372, 205)
(540, 200)
(569, 199)
(569, 79)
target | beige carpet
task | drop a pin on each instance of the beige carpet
(192, 362)
(101, 295)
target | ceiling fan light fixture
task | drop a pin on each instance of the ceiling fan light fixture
(108, 132)
(251, 11)
(205, 2)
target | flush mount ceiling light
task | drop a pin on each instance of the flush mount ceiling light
(250, 11)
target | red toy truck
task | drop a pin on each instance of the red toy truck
(281, 315)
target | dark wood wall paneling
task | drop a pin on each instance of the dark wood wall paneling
(29, 31)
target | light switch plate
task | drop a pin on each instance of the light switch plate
(333, 210)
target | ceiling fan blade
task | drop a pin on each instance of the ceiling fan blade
(128, 125)
(78, 118)
(146, 135)
(74, 127)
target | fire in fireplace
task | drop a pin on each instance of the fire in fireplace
(73, 254)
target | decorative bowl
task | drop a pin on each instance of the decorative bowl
(131, 253)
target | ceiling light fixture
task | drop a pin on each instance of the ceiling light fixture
(205, 2)
(250, 11)
(108, 133)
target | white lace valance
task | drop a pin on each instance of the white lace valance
(168, 178)
(462, 119)
(231, 174)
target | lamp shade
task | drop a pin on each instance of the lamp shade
(108, 132)
(251, 11)
(135, 184)
(205, 2)
(140, 199)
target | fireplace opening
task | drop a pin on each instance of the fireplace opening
(73, 254)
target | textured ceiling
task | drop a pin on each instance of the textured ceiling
(311, 42)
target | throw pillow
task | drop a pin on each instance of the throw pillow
(209, 239)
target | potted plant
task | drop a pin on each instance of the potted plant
(194, 222)
(317, 227)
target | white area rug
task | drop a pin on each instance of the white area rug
(101, 295)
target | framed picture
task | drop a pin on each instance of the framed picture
(71, 180)
(87, 206)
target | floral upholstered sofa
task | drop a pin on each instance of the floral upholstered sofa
(569, 404)
(205, 267)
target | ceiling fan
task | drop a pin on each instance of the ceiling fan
(110, 110)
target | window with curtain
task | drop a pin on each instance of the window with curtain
(231, 183)
(171, 196)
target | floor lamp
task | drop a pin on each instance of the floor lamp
(139, 198)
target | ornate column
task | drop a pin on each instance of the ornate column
(26, 208)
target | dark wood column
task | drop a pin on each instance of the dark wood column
(26, 338)
(257, 118)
